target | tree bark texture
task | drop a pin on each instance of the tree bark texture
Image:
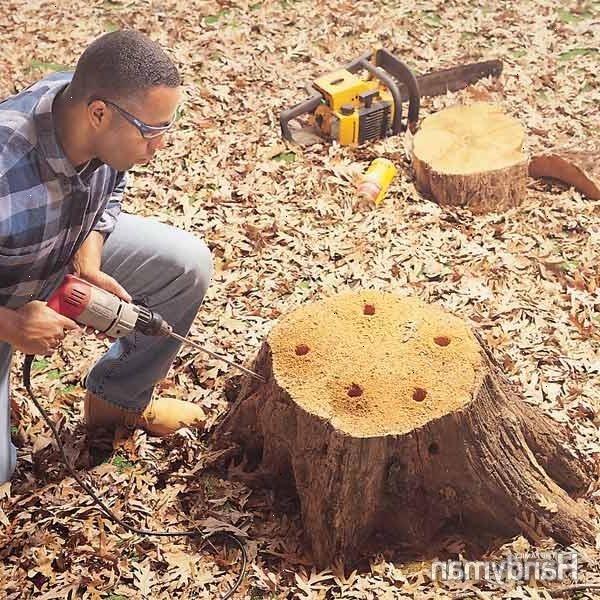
(491, 462)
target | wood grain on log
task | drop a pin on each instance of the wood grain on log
(471, 156)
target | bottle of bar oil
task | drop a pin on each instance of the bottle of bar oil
(375, 182)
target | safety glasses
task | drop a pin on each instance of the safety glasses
(147, 131)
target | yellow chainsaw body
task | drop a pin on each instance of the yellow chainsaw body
(339, 116)
(356, 104)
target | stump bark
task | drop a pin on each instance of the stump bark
(471, 156)
(579, 168)
(388, 415)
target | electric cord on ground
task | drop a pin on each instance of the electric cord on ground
(99, 502)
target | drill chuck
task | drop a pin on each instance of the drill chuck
(151, 323)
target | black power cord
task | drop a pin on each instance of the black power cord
(88, 489)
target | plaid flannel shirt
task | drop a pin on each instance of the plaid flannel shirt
(47, 208)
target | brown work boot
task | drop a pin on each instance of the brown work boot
(165, 416)
(161, 417)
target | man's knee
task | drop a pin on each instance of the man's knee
(193, 260)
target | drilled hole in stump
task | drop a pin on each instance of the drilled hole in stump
(302, 349)
(442, 340)
(419, 394)
(433, 448)
(369, 309)
(354, 391)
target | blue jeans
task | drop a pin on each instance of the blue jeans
(167, 269)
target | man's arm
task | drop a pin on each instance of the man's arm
(33, 328)
(108, 220)
(9, 325)
(87, 262)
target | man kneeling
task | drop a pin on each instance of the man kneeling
(66, 143)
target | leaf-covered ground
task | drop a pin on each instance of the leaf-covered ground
(285, 230)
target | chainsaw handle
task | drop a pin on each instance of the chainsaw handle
(392, 86)
(400, 72)
(306, 106)
(391, 71)
(359, 63)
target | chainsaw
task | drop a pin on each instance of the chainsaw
(94, 307)
(347, 108)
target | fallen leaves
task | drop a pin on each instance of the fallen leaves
(284, 230)
(143, 578)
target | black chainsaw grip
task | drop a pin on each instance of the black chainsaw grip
(304, 107)
(388, 62)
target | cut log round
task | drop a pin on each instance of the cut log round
(578, 168)
(389, 416)
(471, 156)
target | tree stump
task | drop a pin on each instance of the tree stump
(388, 415)
(579, 168)
(471, 156)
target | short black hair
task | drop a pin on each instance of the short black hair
(121, 64)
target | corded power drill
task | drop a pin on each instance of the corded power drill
(94, 307)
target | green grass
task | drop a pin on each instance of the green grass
(39, 364)
(286, 157)
(566, 16)
(122, 463)
(568, 266)
(213, 19)
(210, 485)
(575, 52)
(49, 66)
(433, 19)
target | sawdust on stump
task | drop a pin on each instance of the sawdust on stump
(579, 168)
(387, 348)
(387, 415)
(471, 156)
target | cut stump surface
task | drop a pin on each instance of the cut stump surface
(471, 156)
(389, 416)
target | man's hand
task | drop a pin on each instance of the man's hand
(86, 265)
(106, 282)
(40, 329)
